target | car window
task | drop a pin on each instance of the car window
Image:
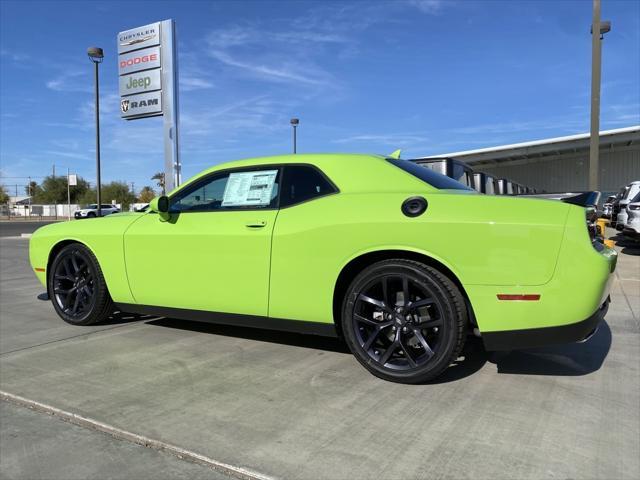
(302, 183)
(427, 175)
(241, 189)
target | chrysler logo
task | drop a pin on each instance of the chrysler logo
(124, 106)
(138, 40)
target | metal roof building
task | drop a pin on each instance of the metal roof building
(562, 163)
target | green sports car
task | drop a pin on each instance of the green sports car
(399, 261)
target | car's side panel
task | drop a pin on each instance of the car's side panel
(103, 236)
(579, 287)
(489, 243)
(210, 261)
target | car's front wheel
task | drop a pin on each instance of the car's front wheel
(77, 288)
(404, 321)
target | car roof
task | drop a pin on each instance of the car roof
(312, 158)
(349, 171)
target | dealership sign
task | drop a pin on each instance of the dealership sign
(148, 84)
(140, 82)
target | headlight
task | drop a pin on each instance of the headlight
(634, 207)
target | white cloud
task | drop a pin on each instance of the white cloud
(430, 7)
(189, 83)
(14, 56)
(285, 71)
(71, 81)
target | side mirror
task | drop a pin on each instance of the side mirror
(160, 205)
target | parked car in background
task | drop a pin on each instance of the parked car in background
(615, 206)
(632, 227)
(91, 211)
(450, 167)
(630, 192)
(607, 207)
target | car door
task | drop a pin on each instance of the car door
(213, 253)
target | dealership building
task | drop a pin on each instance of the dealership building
(560, 164)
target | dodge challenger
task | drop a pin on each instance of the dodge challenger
(399, 261)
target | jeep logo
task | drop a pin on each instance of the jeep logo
(140, 82)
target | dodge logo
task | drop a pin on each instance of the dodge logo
(124, 106)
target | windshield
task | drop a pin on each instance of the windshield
(428, 176)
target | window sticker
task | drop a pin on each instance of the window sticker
(249, 188)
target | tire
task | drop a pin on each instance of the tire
(404, 321)
(77, 288)
(91, 215)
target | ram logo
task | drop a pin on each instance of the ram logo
(124, 106)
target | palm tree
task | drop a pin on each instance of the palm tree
(160, 178)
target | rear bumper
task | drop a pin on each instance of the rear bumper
(537, 337)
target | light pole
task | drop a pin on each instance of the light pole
(96, 56)
(294, 123)
(598, 29)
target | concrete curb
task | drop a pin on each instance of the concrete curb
(181, 453)
(26, 235)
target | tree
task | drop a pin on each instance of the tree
(54, 190)
(31, 189)
(146, 194)
(118, 191)
(4, 196)
(161, 183)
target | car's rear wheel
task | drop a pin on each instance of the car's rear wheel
(77, 288)
(404, 321)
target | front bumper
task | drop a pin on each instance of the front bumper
(537, 337)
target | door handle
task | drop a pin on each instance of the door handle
(259, 224)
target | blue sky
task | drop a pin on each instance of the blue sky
(427, 76)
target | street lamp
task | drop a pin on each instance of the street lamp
(598, 29)
(294, 123)
(96, 56)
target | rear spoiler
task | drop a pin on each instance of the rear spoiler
(586, 199)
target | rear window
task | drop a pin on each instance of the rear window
(436, 180)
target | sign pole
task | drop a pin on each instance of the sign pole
(172, 172)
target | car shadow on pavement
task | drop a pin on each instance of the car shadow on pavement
(317, 342)
(629, 246)
(573, 359)
(119, 317)
(472, 358)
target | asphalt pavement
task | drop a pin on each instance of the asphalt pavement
(15, 228)
(293, 406)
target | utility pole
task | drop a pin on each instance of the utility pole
(598, 29)
(55, 203)
(294, 123)
(96, 55)
(68, 198)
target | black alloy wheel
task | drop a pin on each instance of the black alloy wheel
(404, 321)
(77, 288)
